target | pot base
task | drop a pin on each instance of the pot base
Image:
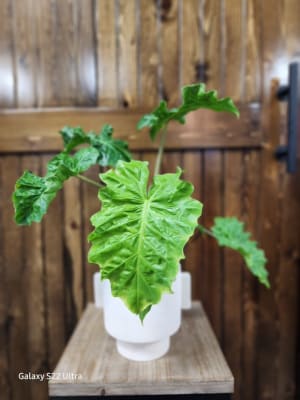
(143, 351)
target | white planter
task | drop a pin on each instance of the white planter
(150, 340)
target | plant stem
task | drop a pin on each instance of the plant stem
(88, 180)
(202, 229)
(160, 150)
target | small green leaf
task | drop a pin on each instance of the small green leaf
(73, 137)
(194, 97)
(230, 232)
(33, 194)
(110, 150)
(140, 233)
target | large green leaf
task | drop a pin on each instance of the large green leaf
(140, 233)
(193, 98)
(33, 194)
(110, 150)
(230, 232)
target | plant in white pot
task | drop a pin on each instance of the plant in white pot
(141, 230)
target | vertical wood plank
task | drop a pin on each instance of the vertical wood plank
(169, 51)
(213, 44)
(254, 65)
(13, 256)
(73, 257)
(249, 204)
(270, 220)
(233, 171)
(250, 196)
(5, 388)
(270, 217)
(91, 204)
(35, 295)
(191, 42)
(7, 81)
(288, 282)
(127, 60)
(192, 165)
(107, 53)
(54, 275)
(212, 261)
(85, 41)
(170, 162)
(148, 53)
(57, 78)
(234, 63)
(288, 288)
(234, 67)
(25, 49)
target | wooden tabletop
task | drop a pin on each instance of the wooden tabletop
(91, 365)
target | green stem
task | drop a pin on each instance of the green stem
(88, 180)
(160, 151)
(202, 229)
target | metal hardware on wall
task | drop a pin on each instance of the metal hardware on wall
(291, 94)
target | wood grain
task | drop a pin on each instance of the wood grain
(35, 293)
(148, 54)
(73, 252)
(270, 240)
(37, 131)
(212, 26)
(169, 51)
(7, 65)
(14, 257)
(54, 276)
(26, 60)
(192, 62)
(233, 175)
(85, 53)
(192, 165)
(249, 215)
(198, 367)
(91, 204)
(212, 257)
(107, 53)
(5, 387)
(127, 56)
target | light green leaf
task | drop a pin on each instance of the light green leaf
(33, 194)
(194, 97)
(140, 233)
(230, 232)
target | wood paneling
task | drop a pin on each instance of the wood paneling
(31, 131)
(115, 59)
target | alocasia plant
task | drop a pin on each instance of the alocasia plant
(141, 230)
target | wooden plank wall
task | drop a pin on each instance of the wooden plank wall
(127, 54)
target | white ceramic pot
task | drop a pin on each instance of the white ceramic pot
(150, 340)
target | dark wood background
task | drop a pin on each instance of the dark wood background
(127, 54)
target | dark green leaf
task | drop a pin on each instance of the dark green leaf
(110, 150)
(73, 137)
(230, 232)
(194, 97)
(140, 233)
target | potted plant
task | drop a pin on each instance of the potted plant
(141, 230)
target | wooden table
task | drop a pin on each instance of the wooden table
(91, 367)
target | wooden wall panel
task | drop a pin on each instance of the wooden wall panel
(54, 276)
(128, 55)
(34, 292)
